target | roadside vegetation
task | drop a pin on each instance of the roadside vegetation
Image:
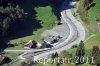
(76, 53)
(89, 11)
(17, 62)
(93, 15)
(12, 55)
(90, 17)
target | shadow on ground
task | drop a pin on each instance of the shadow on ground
(31, 24)
(67, 3)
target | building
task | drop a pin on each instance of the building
(42, 44)
(4, 60)
(1, 59)
(31, 44)
(35, 44)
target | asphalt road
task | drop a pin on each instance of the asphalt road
(76, 34)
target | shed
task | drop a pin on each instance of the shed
(31, 44)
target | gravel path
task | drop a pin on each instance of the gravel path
(62, 30)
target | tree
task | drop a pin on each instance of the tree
(80, 51)
(11, 17)
(97, 58)
(6, 24)
(23, 64)
(3, 3)
(96, 55)
(56, 54)
(53, 56)
(63, 54)
(56, 3)
(94, 50)
(82, 9)
(88, 3)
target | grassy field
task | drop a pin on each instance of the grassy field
(16, 48)
(46, 15)
(93, 41)
(92, 29)
(86, 65)
(67, 65)
(12, 55)
(93, 14)
(17, 63)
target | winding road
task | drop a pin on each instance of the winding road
(76, 34)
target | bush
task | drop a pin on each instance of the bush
(74, 46)
(23, 64)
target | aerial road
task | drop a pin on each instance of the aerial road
(76, 34)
